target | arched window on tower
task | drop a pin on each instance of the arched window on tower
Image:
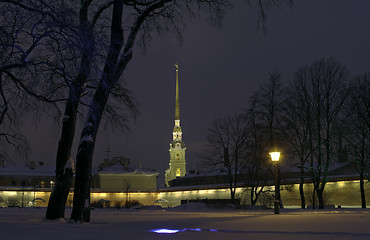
(177, 156)
(178, 172)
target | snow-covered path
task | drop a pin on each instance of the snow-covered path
(196, 224)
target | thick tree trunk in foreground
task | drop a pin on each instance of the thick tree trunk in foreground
(81, 200)
(59, 195)
(64, 174)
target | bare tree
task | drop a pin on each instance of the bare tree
(268, 109)
(53, 33)
(21, 43)
(325, 83)
(357, 133)
(226, 148)
(56, 48)
(296, 127)
(90, 53)
(255, 166)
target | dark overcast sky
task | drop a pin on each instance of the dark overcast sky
(219, 69)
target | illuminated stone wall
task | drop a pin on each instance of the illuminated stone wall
(119, 199)
(344, 193)
(24, 198)
(127, 182)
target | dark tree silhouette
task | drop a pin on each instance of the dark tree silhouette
(227, 139)
(357, 130)
(268, 109)
(56, 48)
(325, 91)
(256, 167)
(296, 127)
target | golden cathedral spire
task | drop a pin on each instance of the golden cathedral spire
(177, 164)
(177, 107)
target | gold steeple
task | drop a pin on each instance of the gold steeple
(177, 164)
(177, 107)
(177, 129)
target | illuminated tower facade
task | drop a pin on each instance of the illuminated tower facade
(177, 165)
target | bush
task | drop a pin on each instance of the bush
(13, 202)
(102, 203)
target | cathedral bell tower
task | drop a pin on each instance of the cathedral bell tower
(177, 165)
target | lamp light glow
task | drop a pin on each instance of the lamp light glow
(275, 156)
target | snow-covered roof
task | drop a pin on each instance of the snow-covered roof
(119, 169)
(210, 172)
(116, 168)
(27, 171)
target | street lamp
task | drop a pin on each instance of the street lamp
(275, 159)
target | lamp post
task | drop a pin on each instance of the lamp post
(275, 159)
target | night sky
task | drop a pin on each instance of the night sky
(218, 70)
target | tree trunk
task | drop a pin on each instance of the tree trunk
(252, 196)
(314, 198)
(320, 193)
(232, 193)
(363, 168)
(115, 65)
(362, 189)
(301, 192)
(81, 199)
(64, 174)
(59, 195)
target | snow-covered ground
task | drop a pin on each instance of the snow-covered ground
(195, 222)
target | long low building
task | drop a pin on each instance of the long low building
(337, 193)
(115, 183)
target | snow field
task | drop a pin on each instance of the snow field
(194, 223)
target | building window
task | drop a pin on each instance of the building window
(177, 156)
(42, 184)
(14, 183)
(178, 172)
(51, 184)
(24, 183)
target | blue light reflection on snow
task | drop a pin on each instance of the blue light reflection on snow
(165, 231)
(172, 231)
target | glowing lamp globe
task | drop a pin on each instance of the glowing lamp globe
(275, 156)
